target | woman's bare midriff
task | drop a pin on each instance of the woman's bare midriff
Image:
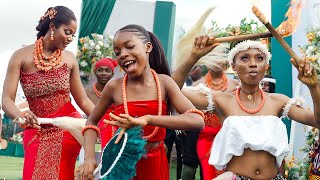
(254, 165)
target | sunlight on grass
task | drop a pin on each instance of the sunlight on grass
(11, 167)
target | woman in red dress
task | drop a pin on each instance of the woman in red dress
(48, 74)
(140, 98)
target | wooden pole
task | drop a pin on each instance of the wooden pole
(240, 37)
(275, 34)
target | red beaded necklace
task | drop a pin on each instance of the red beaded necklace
(253, 111)
(42, 62)
(96, 91)
(125, 103)
(220, 86)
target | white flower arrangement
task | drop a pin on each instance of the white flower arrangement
(312, 49)
(90, 50)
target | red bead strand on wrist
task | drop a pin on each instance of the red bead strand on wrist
(90, 127)
(22, 115)
(197, 111)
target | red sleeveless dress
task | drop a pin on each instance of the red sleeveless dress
(204, 143)
(106, 130)
(154, 165)
(50, 153)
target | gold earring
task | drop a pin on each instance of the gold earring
(51, 37)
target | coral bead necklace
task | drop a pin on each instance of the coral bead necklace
(42, 62)
(250, 111)
(125, 103)
(220, 86)
(96, 91)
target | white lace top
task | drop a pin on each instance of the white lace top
(267, 133)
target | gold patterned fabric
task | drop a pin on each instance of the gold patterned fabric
(50, 149)
(211, 120)
(50, 153)
(46, 92)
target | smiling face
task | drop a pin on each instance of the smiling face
(64, 35)
(132, 53)
(250, 65)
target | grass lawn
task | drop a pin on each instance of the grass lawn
(173, 171)
(11, 168)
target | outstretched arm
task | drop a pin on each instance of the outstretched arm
(77, 89)
(200, 96)
(10, 88)
(308, 76)
(315, 93)
(90, 135)
(10, 85)
(199, 49)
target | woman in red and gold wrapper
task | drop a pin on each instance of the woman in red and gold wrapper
(140, 98)
(103, 70)
(48, 74)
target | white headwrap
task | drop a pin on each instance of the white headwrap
(271, 80)
(242, 46)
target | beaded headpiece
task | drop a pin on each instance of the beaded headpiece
(50, 12)
(249, 44)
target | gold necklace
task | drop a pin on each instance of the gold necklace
(249, 95)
